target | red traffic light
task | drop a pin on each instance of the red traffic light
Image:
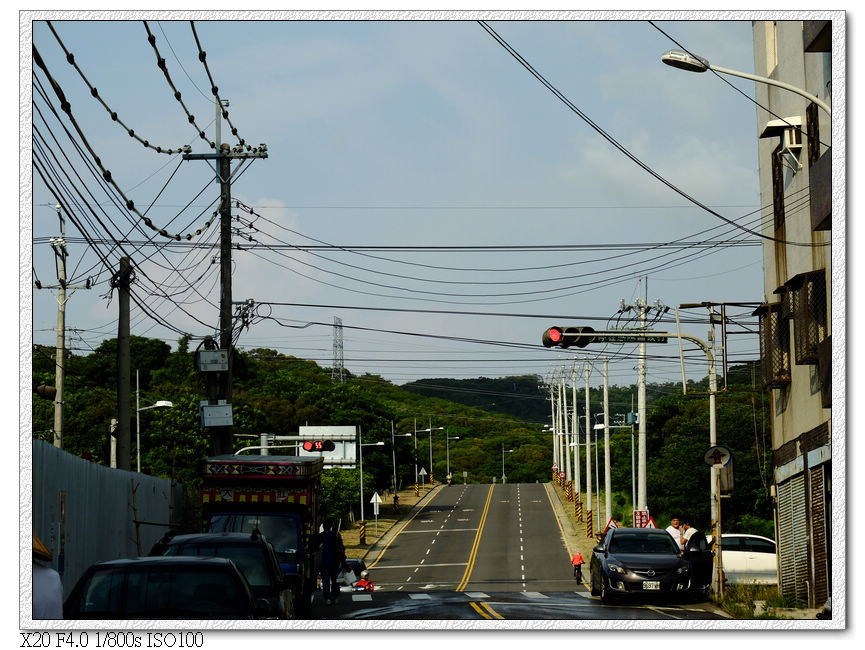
(565, 337)
(318, 445)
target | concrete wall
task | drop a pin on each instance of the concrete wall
(86, 513)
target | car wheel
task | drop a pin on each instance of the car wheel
(606, 596)
(592, 588)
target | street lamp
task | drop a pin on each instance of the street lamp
(509, 451)
(360, 446)
(429, 430)
(693, 63)
(160, 404)
(393, 438)
(448, 450)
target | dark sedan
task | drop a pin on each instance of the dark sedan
(253, 554)
(638, 561)
(158, 588)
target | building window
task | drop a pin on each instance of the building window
(774, 345)
(808, 291)
(778, 187)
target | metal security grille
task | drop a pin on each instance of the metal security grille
(812, 126)
(793, 538)
(818, 526)
(809, 314)
(774, 346)
(778, 187)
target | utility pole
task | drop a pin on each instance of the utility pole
(588, 455)
(608, 500)
(221, 439)
(121, 281)
(58, 245)
(575, 419)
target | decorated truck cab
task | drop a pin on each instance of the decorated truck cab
(277, 495)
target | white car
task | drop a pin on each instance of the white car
(749, 559)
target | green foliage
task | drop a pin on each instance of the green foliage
(276, 394)
(339, 493)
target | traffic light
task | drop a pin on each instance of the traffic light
(318, 445)
(565, 337)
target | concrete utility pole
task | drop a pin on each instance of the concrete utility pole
(567, 436)
(576, 429)
(588, 454)
(58, 245)
(221, 438)
(608, 500)
(124, 367)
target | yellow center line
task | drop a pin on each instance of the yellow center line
(487, 611)
(477, 542)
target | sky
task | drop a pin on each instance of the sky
(421, 184)
(388, 141)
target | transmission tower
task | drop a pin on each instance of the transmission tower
(338, 372)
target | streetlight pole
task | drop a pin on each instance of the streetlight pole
(509, 451)
(360, 446)
(138, 409)
(693, 63)
(448, 449)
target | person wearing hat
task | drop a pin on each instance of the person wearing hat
(47, 588)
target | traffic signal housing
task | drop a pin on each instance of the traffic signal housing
(565, 337)
(318, 445)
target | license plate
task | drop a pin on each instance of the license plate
(651, 585)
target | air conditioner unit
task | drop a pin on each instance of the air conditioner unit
(789, 130)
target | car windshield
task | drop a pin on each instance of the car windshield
(249, 558)
(281, 530)
(643, 544)
(162, 592)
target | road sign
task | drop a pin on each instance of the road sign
(717, 456)
(422, 472)
(629, 338)
(561, 475)
(611, 524)
(651, 523)
(641, 518)
(376, 499)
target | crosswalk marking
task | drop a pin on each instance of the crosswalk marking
(534, 594)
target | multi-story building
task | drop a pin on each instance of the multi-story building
(795, 161)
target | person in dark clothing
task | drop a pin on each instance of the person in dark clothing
(332, 558)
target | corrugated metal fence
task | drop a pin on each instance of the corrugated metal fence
(86, 513)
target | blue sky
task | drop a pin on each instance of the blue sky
(407, 134)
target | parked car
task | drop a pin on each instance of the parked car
(253, 554)
(157, 588)
(638, 561)
(749, 559)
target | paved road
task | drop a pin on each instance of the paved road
(485, 552)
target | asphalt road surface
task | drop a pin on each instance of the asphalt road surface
(486, 552)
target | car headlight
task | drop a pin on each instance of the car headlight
(682, 569)
(616, 568)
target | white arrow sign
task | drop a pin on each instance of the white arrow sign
(422, 472)
(375, 498)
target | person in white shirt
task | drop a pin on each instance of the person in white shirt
(677, 533)
(47, 588)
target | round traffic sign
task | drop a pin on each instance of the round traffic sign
(717, 456)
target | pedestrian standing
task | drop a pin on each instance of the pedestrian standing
(677, 533)
(332, 558)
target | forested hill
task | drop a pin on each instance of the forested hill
(524, 397)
